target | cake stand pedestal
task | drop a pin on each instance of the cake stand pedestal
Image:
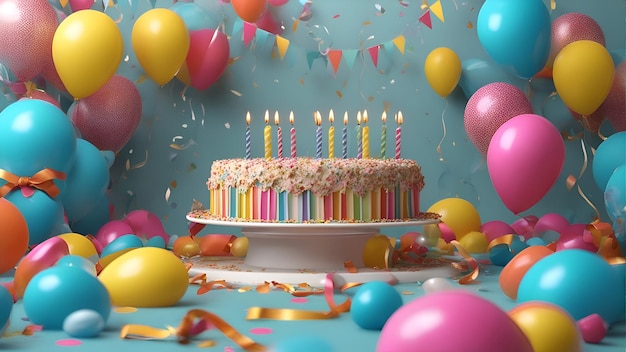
(304, 253)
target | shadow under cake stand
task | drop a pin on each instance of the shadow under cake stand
(306, 252)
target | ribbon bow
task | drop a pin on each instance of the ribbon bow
(42, 180)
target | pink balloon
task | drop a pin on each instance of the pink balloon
(496, 228)
(524, 159)
(572, 27)
(440, 320)
(576, 236)
(43, 256)
(207, 58)
(491, 106)
(145, 224)
(524, 226)
(78, 5)
(277, 3)
(550, 222)
(27, 28)
(112, 230)
(41, 95)
(109, 117)
(446, 232)
(613, 106)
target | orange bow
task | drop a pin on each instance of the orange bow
(42, 180)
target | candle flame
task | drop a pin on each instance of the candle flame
(276, 118)
(331, 116)
(384, 117)
(317, 116)
(267, 116)
(248, 118)
(399, 118)
(345, 118)
(291, 117)
(358, 118)
(364, 116)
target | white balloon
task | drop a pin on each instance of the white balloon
(437, 284)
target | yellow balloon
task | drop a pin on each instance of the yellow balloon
(145, 277)
(161, 41)
(80, 245)
(87, 50)
(378, 252)
(474, 242)
(548, 327)
(458, 214)
(583, 75)
(443, 70)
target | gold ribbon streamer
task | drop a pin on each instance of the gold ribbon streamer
(506, 239)
(471, 261)
(43, 180)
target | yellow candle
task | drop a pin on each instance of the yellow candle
(267, 136)
(331, 135)
(366, 137)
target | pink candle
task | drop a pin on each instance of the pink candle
(292, 134)
(398, 134)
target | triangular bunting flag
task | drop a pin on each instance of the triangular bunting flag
(349, 56)
(374, 54)
(249, 30)
(63, 3)
(283, 45)
(437, 10)
(237, 26)
(399, 42)
(261, 37)
(311, 56)
(389, 48)
(335, 58)
(425, 19)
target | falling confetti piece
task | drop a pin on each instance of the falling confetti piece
(227, 125)
(379, 8)
(207, 343)
(167, 194)
(339, 94)
(299, 300)
(245, 289)
(236, 92)
(261, 331)
(408, 293)
(124, 310)
(336, 16)
(470, 25)
(191, 167)
(68, 342)
(229, 349)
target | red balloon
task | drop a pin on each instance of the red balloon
(572, 27)
(207, 58)
(109, 117)
(491, 106)
(26, 31)
(41, 95)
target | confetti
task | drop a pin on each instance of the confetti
(261, 331)
(68, 342)
(124, 310)
(236, 92)
(379, 8)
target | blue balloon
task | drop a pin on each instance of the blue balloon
(94, 219)
(477, 73)
(87, 181)
(516, 34)
(42, 214)
(194, 16)
(54, 293)
(610, 154)
(615, 201)
(373, 303)
(502, 254)
(6, 304)
(35, 135)
(579, 281)
(123, 242)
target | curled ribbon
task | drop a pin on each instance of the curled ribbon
(42, 180)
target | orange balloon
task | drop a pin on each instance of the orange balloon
(185, 246)
(249, 10)
(215, 244)
(514, 270)
(13, 235)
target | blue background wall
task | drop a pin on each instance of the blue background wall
(165, 165)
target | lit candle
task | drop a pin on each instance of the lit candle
(318, 134)
(331, 135)
(359, 142)
(292, 134)
(398, 134)
(267, 136)
(248, 138)
(383, 137)
(366, 137)
(344, 137)
(279, 135)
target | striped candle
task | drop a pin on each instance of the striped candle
(318, 134)
(383, 137)
(279, 135)
(344, 137)
(292, 135)
(248, 138)
(398, 134)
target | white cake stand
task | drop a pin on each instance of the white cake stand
(305, 252)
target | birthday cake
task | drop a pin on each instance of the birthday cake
(309, 190)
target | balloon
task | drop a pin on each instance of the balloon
(431, 320)
(373, 303)
(13, 236)
(548, 327)
(583, 75)
(609, 155)
(78, 5)
(249, 10)
(145, 224)
(443, 70)
(185, 246)
(502, 254)
(510, 39)
(87, 50)
(6, 305)
(615, 196)
(112, 230)
(576, 236)
(194, 16)
(550, 222)
(27, 28)
(87, 181)
(613, 106)
(514, 271)
(496, 228)
(109, 117)
(474, 242)
(268, 23)
(134, 277)
(55, 293)
(43, 256)
(592, 328)
(80, 245)
(239, 247)
(95, 219)
(436, 284)
(568, 278)
(571, 27)
(277, 3)
(122, 243)
(490, 107)
(44, 215)
(524, 226)
(78, 262)
(477, 73)
(83, 323)
(458, 214)
(41, 95)
(207, 58)
(524, 160)
(161, 41)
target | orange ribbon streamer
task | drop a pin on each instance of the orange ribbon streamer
(471, 261)
(42, 180)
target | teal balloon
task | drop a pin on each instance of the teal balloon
(99, 215)
(6, 305)
(87, 181)
(194, 16)
(121, 243)
(303, 343)
(42, 214)
(516, 34)
(609, 155)
(477, 73)
(615, 195)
